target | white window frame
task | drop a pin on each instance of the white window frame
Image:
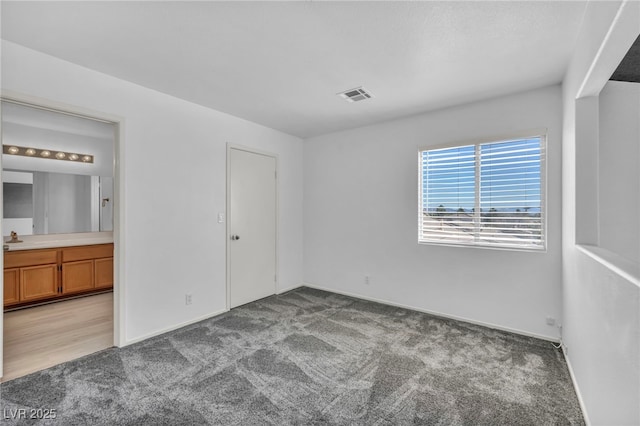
(533, 133)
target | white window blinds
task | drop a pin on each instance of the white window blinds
(486, 194)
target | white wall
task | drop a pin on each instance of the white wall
(17, 177)
(68, 201)
(171, 241)
(619, 163)
(105, 221)
(601, 304)
(361, 218)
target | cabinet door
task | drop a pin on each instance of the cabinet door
(11, 286)
(38, 282)
(104, 273)
(77, 276)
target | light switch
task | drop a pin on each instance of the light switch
(220, 217)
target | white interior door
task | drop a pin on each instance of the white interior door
(251, 226)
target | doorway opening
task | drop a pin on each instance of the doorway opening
(59, 197)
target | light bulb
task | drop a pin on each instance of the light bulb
(30, 151)
(45, 153)
(86, 158)
(13, 150)
(61, 155)
(73, 157)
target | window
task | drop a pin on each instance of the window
(484, 194)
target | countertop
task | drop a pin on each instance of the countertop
(32, 242)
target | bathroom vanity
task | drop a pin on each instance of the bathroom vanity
(47, 269)
(58, 199)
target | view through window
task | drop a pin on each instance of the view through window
(484, 194)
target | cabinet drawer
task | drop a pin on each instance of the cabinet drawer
(73, 254)
(17, 259)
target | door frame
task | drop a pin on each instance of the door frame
(119, 255)
(245, 148)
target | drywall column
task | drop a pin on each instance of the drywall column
(601, 304)
(587, 174)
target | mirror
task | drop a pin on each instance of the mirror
(50, 195)
(51, 203)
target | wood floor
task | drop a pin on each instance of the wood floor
(43, 336)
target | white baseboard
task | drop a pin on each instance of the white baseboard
(184, 324)
(583, 407)
(436, 313)
(284, 290)
(173, 327)
(371, 299)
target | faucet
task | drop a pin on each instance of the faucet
(14, 238)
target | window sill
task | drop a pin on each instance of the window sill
(475, 246)
(623, 267)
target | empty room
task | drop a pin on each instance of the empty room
(310, 212)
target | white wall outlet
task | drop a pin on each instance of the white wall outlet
(187, 299)
(551, 321)
(367, 279)
(220, 217)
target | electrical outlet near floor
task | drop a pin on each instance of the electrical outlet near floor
(367, 280)
(551, 321)
(187, 299)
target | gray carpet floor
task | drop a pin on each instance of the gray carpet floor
(309, 357)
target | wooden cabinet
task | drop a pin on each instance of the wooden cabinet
(103, 272)
(11, 286)
(35, 276)
(85, 268)
(38, 282)
(16, 259)
(77, 276)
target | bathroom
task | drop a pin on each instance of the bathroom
(57, 227)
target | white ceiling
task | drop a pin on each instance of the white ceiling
(281, 64)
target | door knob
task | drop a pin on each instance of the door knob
(235, 237)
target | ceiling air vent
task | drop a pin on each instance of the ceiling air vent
(355, 95)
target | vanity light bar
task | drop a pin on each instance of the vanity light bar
(45, 153)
